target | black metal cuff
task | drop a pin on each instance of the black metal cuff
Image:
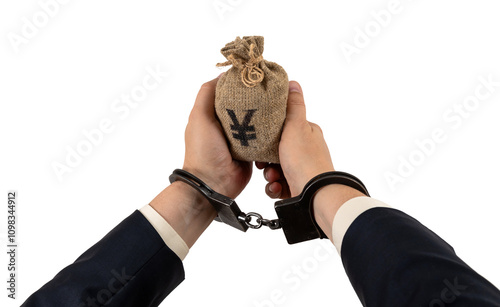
(295, 215)
(227, 209)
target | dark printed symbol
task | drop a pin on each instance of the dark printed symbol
(243, 128)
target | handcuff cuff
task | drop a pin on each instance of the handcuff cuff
(295, 215)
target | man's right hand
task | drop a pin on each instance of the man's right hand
(303, 151)
(303, 155)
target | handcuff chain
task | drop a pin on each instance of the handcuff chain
(247, 218)
(295, 215)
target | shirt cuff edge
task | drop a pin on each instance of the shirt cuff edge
(348, 213)
(166, 232)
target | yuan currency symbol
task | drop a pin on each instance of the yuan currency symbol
(242, 132)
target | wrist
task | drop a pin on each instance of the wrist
(191, 201)
(185, 209)
(328, 201)
(214, 184)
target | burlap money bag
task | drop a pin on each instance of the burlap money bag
(250, 101)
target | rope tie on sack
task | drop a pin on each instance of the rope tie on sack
(251, 74)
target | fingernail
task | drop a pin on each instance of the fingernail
(219, 75)
(294, 86)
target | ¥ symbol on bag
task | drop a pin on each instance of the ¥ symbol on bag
(242, 130)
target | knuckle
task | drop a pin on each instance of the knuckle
(296, 99)
(316, 127)
(207, 85)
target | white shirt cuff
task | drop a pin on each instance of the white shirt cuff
(346, 215)
(166, 232)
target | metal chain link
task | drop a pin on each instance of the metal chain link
(259, 220)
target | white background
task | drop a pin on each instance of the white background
(372, 110)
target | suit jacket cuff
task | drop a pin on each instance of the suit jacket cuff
(166, 232)
(346, 215)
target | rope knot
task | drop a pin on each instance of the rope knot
(251, 73)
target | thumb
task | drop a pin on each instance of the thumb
(296, 109)
(204, 103)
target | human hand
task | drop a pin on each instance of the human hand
(207, 155)
(302, 149)
(303, 155)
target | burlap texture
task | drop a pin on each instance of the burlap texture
(250, 101)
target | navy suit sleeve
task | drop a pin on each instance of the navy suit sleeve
(393, 260)
(130, 266)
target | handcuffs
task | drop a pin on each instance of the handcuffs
(295, 215)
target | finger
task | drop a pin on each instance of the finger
(273, 173)
(285, 190)
(273, 189)
(261, 165)
(296, 108)
(205, 100)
